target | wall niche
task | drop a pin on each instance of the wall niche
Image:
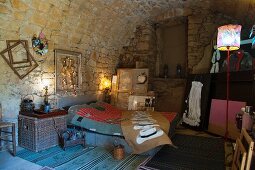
(168, 84)
(171, 48)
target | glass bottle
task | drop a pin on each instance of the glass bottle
(165, 71)
(178, 70)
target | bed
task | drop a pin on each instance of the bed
(104, 124)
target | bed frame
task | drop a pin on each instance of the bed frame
(108, 141)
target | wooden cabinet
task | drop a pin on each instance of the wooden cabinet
(129, 82)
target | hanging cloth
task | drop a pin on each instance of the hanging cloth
(215, 62)
(192, 117)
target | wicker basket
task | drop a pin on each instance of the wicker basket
(39, 134)
(119, 152)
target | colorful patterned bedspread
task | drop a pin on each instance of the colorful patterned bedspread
(111, 114)
(107, 114)
(102, 118)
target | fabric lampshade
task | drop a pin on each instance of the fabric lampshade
(229, 37)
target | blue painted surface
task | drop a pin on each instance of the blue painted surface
(78, 157)
(8, 162)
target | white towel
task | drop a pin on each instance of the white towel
(193, 116)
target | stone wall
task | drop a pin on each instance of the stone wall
(202, 29)
(202, 34)
(95, 29)
(98, 29)
(141, 49)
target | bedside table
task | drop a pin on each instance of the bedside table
(37, 132)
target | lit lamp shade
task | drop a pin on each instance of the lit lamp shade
(105, 83)
(229, 37)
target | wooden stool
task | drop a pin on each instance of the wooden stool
(4, 134)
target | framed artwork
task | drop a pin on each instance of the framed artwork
(68, 71)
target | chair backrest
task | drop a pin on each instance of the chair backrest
(1, 112)
(243, 151)
(248, 144)
(239, 156)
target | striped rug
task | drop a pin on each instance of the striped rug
(79, 158)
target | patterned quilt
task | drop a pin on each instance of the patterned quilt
(102, 118)
(107, 113)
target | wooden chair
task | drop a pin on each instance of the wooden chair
(4, 134)
(239, 156)
(243, 152)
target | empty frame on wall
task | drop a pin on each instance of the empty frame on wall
(18, 57)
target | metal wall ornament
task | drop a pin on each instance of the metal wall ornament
(18, 57)
(68, 71)
(40, 44)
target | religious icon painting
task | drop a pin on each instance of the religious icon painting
(68, 71)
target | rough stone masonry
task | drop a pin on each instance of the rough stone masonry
(99, 29)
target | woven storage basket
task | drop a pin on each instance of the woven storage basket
(119, 152)
(39, 134)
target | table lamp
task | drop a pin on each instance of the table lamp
(105, 85)
(46, 106)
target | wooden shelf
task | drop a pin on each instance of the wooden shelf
(169, 79)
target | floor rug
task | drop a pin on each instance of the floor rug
(79, 158)
(192, 152)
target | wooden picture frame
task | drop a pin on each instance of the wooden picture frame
(26, 62)
(67, 71)
(14, 59)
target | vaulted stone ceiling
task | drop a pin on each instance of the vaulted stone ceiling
(111, 22)
(96, 28)
(243, 10)
(118, 18)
